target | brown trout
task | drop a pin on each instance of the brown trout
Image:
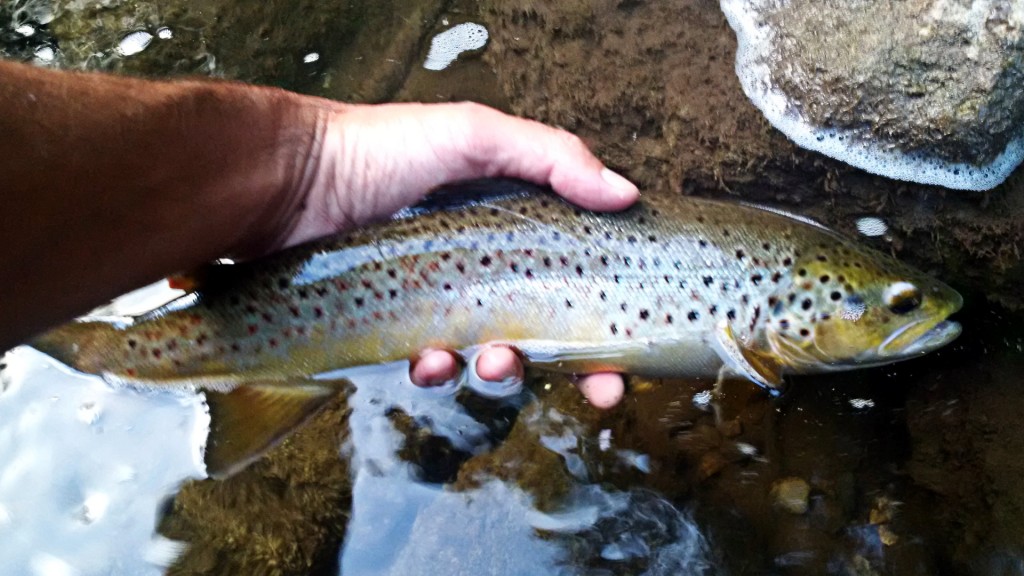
(674, 286)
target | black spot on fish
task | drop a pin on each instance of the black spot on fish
(631, 239)
(787, 261)
(756, 279)
(392, 273)
(731, 314)
(783, 324)
(702, 243)
(529, 273)
(615, 329)
(801, 272)
(766, 246)
(713, 310)
(740, 254)
(547, 261)
(835, 295)
(392, 293)
(692, 316)
(708, 280)
(514, 266)
(359, 302)
(806, 304)
(776, 277)
(568, 304)
(824, 278)
(805, 332)
(485, 261)
(447, 286)
(622, 306)
(725, 232)
(603, 295)
(668, 318)
(652, 238)
(445, 256)
(587, 230)
(626, 261)
(461, 267)
(283, 283)
(644, 314)
(579, 270)
(132, 343)
(479, 302)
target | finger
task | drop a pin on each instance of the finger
(603, 390)
(434, 368)
(498, 364)
(496, 144)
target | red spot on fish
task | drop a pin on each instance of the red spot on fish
(318, 312)
(130, 371)
(294, 310)
(351, 323)
(378, 295)
(320, 291)
(201, 339)
(196, 320)
(267, 318)
(272, 342)
(157, 353)
(378, 316)
(445, 256)
(172, 345)
(461, 267)
(299, 330)
(367, 284)
(392, 273)
(253, 329)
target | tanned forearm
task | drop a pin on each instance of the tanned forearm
(109, 183)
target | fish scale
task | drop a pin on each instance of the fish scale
(673, 286)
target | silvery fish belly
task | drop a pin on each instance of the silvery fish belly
(673, 286)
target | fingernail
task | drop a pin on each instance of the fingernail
(624, 188)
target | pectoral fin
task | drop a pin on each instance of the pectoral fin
(252, 418)
(758, 367)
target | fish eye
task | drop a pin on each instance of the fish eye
(902, 298)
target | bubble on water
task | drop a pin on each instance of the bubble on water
(311, 57)
(26, 30)
(45, 54)
(702, 399)
(134, 42)
(164, 33)
(446, 46)
(872, 226)
(862, 403)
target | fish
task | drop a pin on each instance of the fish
(673, 286)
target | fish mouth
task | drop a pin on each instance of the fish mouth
(896, 346)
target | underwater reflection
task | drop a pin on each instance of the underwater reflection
(557, 521)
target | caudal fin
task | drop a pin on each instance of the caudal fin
(75, 343)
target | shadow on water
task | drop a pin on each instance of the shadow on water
(907, 469)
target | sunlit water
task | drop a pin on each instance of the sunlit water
(883, 460)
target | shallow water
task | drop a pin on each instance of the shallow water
(909, 469)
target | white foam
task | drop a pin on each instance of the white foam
(134, 42)
(755, 41)
(872, 226)
(446, 46)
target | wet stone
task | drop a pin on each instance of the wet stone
(791, 494)
(931, 96)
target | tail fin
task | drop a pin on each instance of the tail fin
(77, 344)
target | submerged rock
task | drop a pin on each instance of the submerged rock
(922, 90)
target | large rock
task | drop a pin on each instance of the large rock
(922, 90)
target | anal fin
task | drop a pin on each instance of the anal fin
(251, 418)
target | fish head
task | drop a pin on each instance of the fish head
(849, 307)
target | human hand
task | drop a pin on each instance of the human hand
(370, 161)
